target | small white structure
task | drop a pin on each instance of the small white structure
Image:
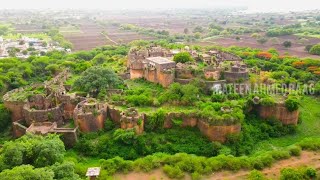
(93, 172)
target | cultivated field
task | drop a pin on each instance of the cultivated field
(297, 49)
(91, 35)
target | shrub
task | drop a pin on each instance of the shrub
(218, 97)
(287, 44)
(268, 101)
(116, 164)
(4, 117)
(156, 120)
(182, 57)
(315, 49)
(310, 144)
(127, 136)
(173, 171)
(256, 175)
(109, 124)
(298, 174)
(295, 150)
(292, 104)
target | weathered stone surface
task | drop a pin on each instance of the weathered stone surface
(18, 129)
(90, 116)
(279, 112)
(218, 133)
(16, 109)
(52, 115)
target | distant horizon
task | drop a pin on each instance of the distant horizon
(250, 5)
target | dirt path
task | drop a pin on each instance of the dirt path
(310, 159)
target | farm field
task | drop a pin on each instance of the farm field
(91, 35)
(297, 49)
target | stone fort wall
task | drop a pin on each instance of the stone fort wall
(280, 112)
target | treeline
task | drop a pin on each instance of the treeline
(175, 166)
(35, 157)
(15, 73)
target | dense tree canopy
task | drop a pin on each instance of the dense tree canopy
(96, 80)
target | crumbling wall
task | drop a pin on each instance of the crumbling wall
(218, 133)
(89, 122)
(114, 114)
(69, 135)
(213, 132)
(90, 115)
(280, 112)
(52, 115)
(136, 73)
(151, 75)
(16, 109)
(131, 119)
(18, 129)
(184, 74)
(165, 78)
(212, 75)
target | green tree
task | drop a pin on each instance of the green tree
(315, 49)
(96, 79)
(287, 44)
(4, 117)
(25, 172)
(182, 57)
(64, 171)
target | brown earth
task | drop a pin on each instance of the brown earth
(247, 41)
(309, 159)
(91, 36)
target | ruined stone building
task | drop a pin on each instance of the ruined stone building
(151, 64)
(155, 65)
(237, 73)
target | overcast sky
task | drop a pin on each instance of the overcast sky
(261, 5)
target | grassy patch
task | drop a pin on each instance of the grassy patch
(309, 127)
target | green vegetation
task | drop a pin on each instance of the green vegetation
(96, 80)
(182, 57)
(127, 145)
(297, 174)
(315, 49)
(178, 150)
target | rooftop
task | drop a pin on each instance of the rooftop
(94, 171)
(160, 60)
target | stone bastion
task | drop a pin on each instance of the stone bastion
(89, 115)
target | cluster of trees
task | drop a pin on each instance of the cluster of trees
(97, 80)
(284, 69)
(15, 73)
(279, 32)
(35, 157)
(180, 94)
(128, 145)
